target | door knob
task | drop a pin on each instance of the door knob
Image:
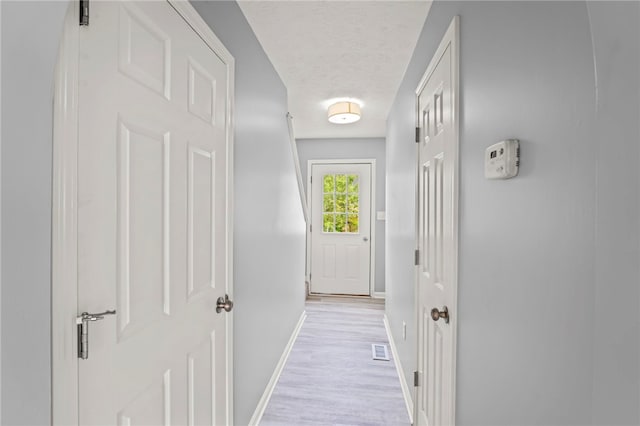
(444, 314)
(365, 239)
(224, 303)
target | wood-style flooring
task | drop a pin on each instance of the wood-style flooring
(330, 377)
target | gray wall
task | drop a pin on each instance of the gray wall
(615, 28)
(269, 233)
(548, 291)
(28, 61)
(353, 148)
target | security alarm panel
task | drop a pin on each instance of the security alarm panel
(502, 160)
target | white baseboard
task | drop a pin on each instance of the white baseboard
(403, 381)
(266, 396)
(378, 295)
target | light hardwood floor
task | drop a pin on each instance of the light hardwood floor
(330, 377)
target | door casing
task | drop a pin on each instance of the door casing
(372, 253)
(64, 290)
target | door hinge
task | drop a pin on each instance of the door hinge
(84, 12)
(416, 379)
(83, 330)
(416, 260)
(417, 134)
(310, 228)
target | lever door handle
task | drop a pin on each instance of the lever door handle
(83, 330)
(85, 316)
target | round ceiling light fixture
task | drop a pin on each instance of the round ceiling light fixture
(344, 112)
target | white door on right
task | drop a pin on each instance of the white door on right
(341, 228)
(437, 236)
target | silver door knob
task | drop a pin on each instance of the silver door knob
(365, 239)
(224, 303)
(444, 314)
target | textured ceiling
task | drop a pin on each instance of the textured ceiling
(325, 50)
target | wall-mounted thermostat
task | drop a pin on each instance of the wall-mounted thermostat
(501, 161)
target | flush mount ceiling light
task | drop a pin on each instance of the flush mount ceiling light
(344, 112)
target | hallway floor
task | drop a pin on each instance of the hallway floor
(330, 377)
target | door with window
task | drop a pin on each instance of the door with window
(341, 228)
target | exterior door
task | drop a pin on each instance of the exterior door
(152, 219)
(340, 228)
(437, 237)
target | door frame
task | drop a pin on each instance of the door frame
(372, 235)
(64, 248)
(450, 38)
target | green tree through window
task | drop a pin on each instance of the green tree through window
(341, 203)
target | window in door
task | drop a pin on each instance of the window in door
(341, 203)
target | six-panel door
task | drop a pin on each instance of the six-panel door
(152, 235)
(437, 242)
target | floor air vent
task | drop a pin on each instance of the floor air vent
(380, 352)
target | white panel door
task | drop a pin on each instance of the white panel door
(437, 239)
(152, 219)
(341, 228)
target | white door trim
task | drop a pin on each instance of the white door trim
(406, 393)
(64, 291)
(64, 239)
(296, 164)
(450, 38)
(372, 253)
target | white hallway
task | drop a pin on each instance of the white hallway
(548, 293)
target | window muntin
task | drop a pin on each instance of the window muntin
(341, 203)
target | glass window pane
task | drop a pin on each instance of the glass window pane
(329, 205)
(341, 220)
(341, 203)
(352, 223)
(328, 181)
(327, 223)
(341, 183)
(352, 185)
(353, 203)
